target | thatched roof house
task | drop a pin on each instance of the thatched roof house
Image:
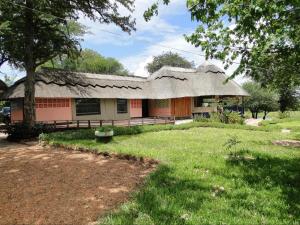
(166, 84)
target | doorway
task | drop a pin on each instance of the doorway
(145, 108)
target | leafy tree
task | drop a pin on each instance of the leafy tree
(261, 99)
(168, 59)
(34, 31)
(263, 35)
(89, 61)
(288, 99)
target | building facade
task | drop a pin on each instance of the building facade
(170, 92)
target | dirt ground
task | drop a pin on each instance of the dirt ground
(53, 186)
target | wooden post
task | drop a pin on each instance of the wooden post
(67, 123)
(77, 123)
(154, 120)
(89, 123)
(129, 123)
(54, 124)
(112, 122)
(142, 120)
(100, 123)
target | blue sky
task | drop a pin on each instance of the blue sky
(138, 49)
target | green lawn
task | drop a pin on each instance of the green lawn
(261, 182)
(292, 123)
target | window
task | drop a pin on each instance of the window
(122, 106)
(52, 102)
(205, 101)
(198, 101)
(87, 107)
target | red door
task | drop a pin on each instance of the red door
(181, 107)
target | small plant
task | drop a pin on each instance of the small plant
(104, 134)
(105, 129)
(232, 142)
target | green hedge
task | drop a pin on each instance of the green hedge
(84, 134)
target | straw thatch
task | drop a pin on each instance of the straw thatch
(168, 82)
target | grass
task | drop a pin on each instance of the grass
(200, 181)
(292, 122)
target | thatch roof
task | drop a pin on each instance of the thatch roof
(168, 82)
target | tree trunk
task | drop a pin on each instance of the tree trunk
(256, 115)
(29, 92)
(265, 115)
(29, 99)
(253, 115)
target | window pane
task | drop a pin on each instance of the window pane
(198, 101)
(122, 106)
(88, 107)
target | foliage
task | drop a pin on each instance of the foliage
(232, 142)
(105, 129)
(288, 98)
(233, 118)
(168, 59)
(283, 115)
(228, 117)
(19, 131)
(261, 99)
(89, 61)
(89, 134)
(265, 38)
(33, 32)
(193, 162)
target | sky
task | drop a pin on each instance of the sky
(162, 34)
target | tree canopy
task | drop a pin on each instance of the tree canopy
(263, 36)
(34, 31)
(89, 61)
(260, 100)
(168, 59)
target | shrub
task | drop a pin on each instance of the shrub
(201, 118)
(212, 117)
(20, 131)
(105, 129)
(283, 115)
(234, 118)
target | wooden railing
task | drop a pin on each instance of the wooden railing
(78, 124)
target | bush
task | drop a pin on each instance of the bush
(234, 118)
(212, 117)
(201, 118)
(105, 129)
(127, 130)
(20, 131)
(283, 115)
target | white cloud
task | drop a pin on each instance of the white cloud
(5, 69)
(137, 64)
(157, 26)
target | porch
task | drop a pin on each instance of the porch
(81, 124)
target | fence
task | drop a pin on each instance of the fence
(79, 124)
